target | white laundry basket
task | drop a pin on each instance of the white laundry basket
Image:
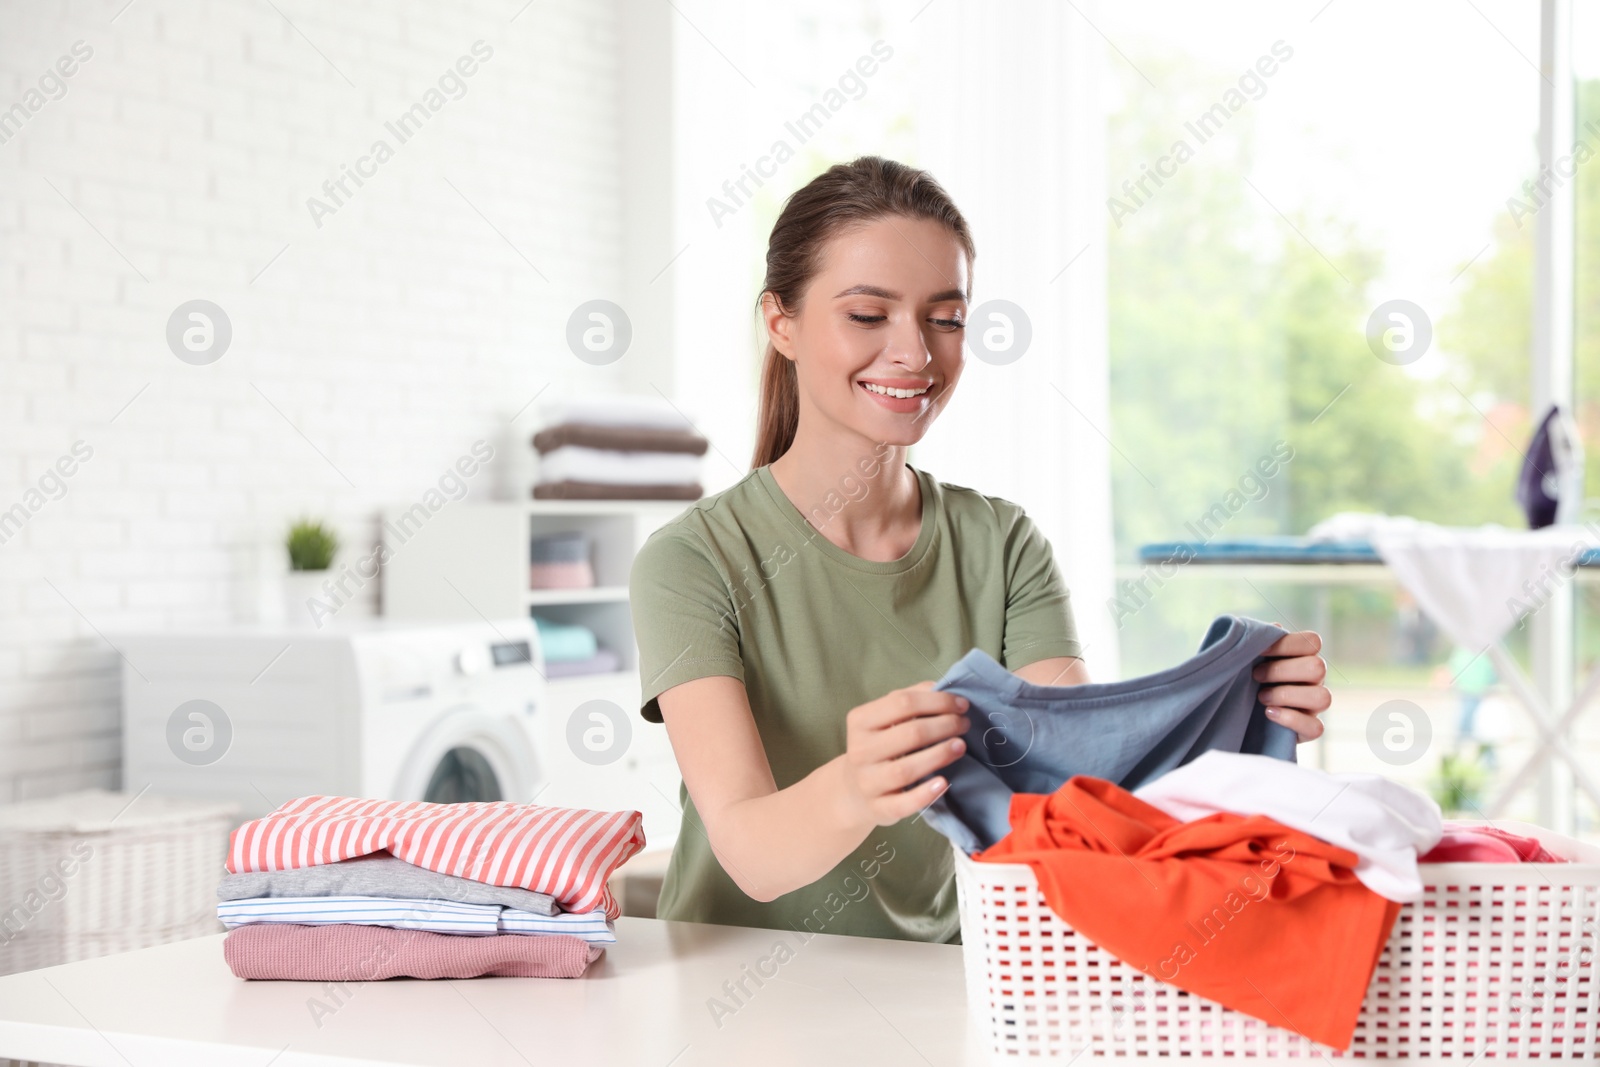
(93, 873)
(1497, 960)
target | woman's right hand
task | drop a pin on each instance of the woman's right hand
(899, 739)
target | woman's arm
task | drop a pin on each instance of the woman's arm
(1057, 670)
(772, 841)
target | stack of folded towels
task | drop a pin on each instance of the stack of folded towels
(343, 889)
(618, 448)
(561, 561)
(571, 650)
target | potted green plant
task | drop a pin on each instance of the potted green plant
(311, 545)
(1459, 783)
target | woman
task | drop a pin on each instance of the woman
(789, 627)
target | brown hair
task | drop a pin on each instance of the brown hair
(843, 196)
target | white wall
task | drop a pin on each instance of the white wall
(1001, 103)
(1014, 127)
(365, 359)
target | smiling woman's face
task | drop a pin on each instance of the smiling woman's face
(877, 342)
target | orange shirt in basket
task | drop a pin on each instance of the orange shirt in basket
(1238, 909)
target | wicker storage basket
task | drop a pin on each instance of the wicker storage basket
(93, 873)
(1497, 960)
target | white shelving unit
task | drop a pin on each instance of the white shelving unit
(471, 561)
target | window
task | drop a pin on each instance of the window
(1277, 181)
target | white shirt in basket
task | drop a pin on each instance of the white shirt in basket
(1386, 824)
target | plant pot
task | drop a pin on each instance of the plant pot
(300, 588)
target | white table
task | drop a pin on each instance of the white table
(645, 1003)
(838, 1001)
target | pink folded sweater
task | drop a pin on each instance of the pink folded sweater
(347, 953)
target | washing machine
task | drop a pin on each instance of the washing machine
(377, 708)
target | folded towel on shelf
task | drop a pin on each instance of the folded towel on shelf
(615, 409)
(379, 875)
(561, 575)
(620, 438)
(564, 642)
(568, 853)
(577, 463)
(582, 490)
(569, 546)
(561, 561)
(604, 661)
(434, 916)
(348, 953)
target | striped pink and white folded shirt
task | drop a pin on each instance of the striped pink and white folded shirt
(568, 853)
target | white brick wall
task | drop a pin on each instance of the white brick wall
(394, 336)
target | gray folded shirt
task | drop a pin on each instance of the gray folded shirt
(380, 875)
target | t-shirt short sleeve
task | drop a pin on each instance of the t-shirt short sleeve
(683, 617)
(1039, 623)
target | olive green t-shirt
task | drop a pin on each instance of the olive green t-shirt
(743, 585)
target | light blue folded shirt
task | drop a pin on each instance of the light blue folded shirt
(434, 916)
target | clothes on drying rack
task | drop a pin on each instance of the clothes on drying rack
(567, 853)
(1476, 584)
(1384, 823)
(1239, 909)
(1464, 842)
(620, 438)
(349, 953)
(435, 916)
(1027, 738)
(1465, 578)
(379, 875)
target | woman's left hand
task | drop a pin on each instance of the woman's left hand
(1292, 689)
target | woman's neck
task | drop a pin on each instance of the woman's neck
(858, 494)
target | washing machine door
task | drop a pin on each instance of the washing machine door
(470, 755)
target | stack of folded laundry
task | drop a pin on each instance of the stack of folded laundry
(571, 650)
(618, 448)
(344, 889)
(561, 561)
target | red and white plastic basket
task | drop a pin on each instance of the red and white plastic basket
(1498, 960)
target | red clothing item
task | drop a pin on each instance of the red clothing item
(1238, 909)
(1470, 843)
